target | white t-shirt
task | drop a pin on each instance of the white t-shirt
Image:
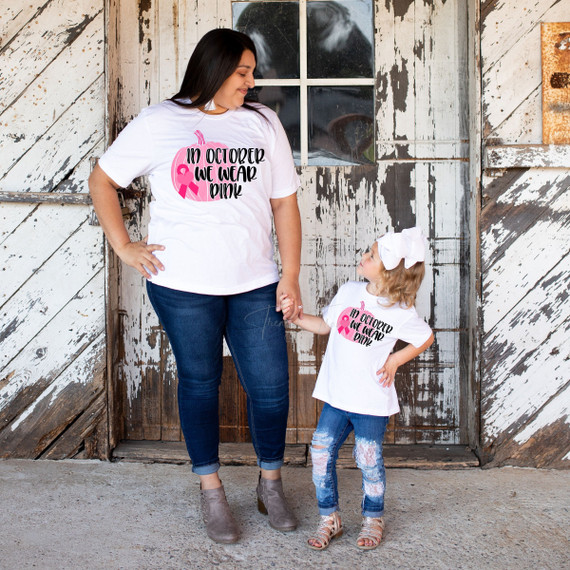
(212, 178)
(363, 334)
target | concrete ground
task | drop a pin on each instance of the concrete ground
(90, 514)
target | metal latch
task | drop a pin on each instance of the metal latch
(93, 221)
(124, 210)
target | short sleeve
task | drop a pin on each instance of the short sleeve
(327, 316)
(131, 153)
(332, 311)
(284, 178)
(414, 331)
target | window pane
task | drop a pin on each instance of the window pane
(340, 39)
(285, 102)
(274, 28)
(341, 125)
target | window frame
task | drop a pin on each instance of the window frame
(304, 82)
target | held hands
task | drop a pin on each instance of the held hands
(305, 321)
(139, 255)
(289, 300)
(287, 306)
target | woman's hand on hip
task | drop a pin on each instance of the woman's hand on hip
(288, 288)
(103, 191)
(139, 254)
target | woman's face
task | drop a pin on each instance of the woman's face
(232, 93)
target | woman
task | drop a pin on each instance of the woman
(220, 170)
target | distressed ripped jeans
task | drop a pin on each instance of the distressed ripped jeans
(334, 427)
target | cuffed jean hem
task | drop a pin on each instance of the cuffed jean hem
(374, 515)
(325, 511)
(270, 465)
(206, 469)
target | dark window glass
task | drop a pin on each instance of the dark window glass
(339, 39)
(341, 125)
(285, 102)
(274, 28)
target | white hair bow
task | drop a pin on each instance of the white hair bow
(409, 245)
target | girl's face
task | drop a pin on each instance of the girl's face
(370, 265)
(232, 93)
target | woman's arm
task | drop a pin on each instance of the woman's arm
(387, 373)
(138, 254)
(288, 228)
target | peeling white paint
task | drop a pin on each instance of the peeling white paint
(52, 92)
(63, 145)
(39, 41)
(52, 294)
(11, 216)
(56, 344)
(19, 261)
(557, 409)
(523, 265)
(78, 373)
(50, 288)
(508, 394)
(511, 66)
(528, 156)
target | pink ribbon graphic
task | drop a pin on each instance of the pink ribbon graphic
(344, 325)
(186, 180)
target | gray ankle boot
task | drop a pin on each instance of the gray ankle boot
(220, 524)
(271, 501)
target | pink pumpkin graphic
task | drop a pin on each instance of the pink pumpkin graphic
(191, 172)
(351, 315)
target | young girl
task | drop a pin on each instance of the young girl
(356, 380)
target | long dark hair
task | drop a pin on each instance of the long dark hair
(214, 59)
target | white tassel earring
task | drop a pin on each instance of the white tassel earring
(210, 106)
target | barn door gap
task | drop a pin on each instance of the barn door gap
(297, 455)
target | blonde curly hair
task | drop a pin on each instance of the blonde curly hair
(399, 285)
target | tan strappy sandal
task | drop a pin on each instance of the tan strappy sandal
(371, 529)
(330, 527)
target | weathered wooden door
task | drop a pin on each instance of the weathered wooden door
(53, 393)
(416, 173)
(525, 253)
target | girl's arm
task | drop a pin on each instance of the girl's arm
(288, 229)
(138, 254)
(312, 323)
(387, 373)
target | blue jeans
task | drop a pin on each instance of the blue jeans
(334, 427)
(255, 334)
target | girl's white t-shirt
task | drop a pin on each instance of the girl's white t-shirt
(363, 334)
(212, 178)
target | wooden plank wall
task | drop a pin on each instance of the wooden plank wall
(422, 177)
(525, 252)
(52, 329)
